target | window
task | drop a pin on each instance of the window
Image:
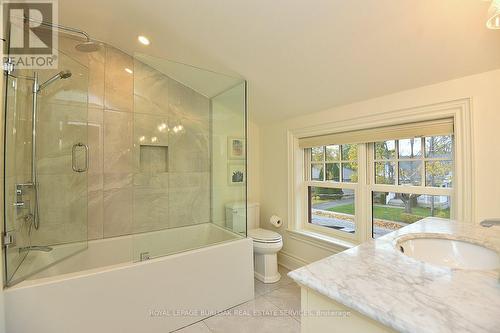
(361, 185)
(333, 172)
(423, 163)
(415, 161)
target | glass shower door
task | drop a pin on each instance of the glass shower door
(45, 201)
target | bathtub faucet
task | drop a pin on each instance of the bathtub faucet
(35, 248)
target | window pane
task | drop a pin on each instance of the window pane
(438, 173)
(385, 150)
(317, 171)
(333, 172)
(392, 211)
(317, 154)
(350, 152)
(384, 172)
(410, 173)
(350, 172)
(332, 208)
(333, 153)
(410, 148)
(439, 146)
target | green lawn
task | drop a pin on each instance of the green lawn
(345, 209)
(392, 213)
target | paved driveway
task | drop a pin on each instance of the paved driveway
(329, 204)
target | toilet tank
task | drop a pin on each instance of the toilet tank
(236, 219)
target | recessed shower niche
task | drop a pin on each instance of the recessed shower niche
(153, 159)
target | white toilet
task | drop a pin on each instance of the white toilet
(266, 243)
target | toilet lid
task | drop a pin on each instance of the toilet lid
(263, 235)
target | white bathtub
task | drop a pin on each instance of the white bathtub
(101, 289)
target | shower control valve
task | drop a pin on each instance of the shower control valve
(19, 194)
(19, 204)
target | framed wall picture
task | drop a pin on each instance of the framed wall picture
(236, 174)
(235, 148)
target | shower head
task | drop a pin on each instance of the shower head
(88, 46)
(61, 75)
(64, 74)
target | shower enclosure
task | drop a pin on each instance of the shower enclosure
(117, 169)
(45, 185)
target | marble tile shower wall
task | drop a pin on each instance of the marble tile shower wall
(131, 116)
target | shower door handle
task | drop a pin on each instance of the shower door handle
(73, 158)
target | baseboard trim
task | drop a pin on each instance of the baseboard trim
(289, 261)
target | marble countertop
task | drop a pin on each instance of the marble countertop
(408, 295)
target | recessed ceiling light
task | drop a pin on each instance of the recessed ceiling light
(128, 70)
(493, 21)
(144, 40)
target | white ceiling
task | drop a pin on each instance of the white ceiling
(302, 56)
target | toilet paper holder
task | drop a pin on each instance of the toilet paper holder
(275, 221)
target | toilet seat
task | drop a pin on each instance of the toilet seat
(260, 235)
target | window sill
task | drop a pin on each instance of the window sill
(321, 239)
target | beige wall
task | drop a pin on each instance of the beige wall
(482, 88)
(254, 162)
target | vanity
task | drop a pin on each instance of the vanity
(434, 275)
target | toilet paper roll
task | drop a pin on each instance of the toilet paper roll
(276, 221)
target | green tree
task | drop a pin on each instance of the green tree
(385, 172)
(437, 172)
(350, 153)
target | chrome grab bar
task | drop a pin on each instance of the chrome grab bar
(73, 159)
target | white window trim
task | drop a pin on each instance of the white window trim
(463, 208)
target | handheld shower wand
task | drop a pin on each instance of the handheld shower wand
(37, 88)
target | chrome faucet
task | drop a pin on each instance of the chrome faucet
(490, 222)
(35, 248)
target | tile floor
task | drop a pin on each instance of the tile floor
(275, 309)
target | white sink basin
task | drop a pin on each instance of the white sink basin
(450, 253)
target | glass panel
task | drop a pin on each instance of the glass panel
(438, 173)
(385, 172)
(385, 150)
(317, 171)
(228, 192)
(392, 211)
(189, 153)
(333, 172)
(439, 147)
(332, 208)
(350, 172)
(317, 154)
(349, 152)
(332, 153)
(51, 224)
(410, 148)
(410, 173)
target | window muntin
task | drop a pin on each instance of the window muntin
(331, 162)
(422, 161)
